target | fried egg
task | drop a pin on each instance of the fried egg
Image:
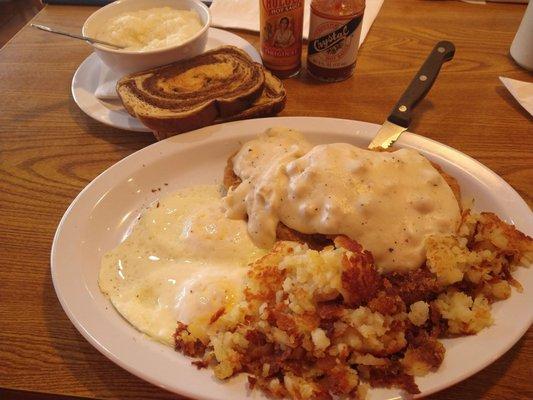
(183, 260)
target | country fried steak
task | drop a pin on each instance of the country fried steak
(319, 241)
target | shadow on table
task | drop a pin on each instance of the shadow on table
(92, 371)
(127, 140)
(11, 394)
(504, 94)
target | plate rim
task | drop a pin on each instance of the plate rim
(414, 141)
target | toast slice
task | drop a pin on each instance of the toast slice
(193, 93)
(271, 101)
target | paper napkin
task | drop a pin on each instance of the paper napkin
(521, 91)
(244, 14)
(107, 82)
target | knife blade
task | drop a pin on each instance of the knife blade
(400, 117)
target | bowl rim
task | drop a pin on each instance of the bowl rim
(142, 52)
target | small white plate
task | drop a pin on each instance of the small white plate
(85, 82)
(102, 214)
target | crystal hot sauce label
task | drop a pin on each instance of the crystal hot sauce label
(281, 34)
(334, 43)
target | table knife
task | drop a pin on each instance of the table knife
(399, 119)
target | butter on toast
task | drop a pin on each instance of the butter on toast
(193, 93)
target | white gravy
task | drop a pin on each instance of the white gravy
(388, 202)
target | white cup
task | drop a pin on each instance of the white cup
(522, 46)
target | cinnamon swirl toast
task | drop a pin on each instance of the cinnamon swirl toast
(271, 101)
(220, 85)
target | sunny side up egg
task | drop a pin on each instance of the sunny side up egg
(183, 259)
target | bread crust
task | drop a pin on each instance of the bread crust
(271, 101)
(164, 128)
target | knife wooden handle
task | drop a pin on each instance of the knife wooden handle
(422, 82)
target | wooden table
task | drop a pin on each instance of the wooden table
(49, 150)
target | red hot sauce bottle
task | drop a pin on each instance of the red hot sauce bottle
(334, 32)
(281, 26)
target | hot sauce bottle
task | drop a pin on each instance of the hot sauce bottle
(334, 32)
(281, 23)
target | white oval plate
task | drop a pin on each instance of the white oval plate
(99, 219)
(112, 113)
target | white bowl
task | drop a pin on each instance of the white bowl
(123, 61)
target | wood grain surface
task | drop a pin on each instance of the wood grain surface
(49, 150)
